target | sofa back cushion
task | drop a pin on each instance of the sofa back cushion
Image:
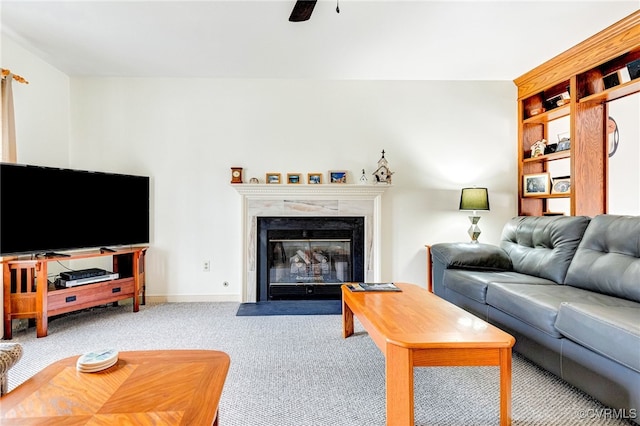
(608, 257)
(543, 246)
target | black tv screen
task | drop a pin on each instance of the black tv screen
(46, 209)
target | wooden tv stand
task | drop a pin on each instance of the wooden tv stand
(28, 293)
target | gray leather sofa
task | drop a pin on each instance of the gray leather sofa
(568, 289)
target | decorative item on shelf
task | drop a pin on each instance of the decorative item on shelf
(363, 179)
(564, 143)
(536, 111)
(537, 149)
(294, 178)
(616, 78)
(236, 175)
(561, 185)
(383, 173)
(474, 199)
(550, 148)
(337, 176)
(254, 180)
(535, 184)
(553, 147)
(611, 80)
(558, 100)
(634, 69)
(273, 178)
(314, 178)
(614, 136)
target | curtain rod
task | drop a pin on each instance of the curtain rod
(16, 77)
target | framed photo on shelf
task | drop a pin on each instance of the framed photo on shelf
(314, 178)
(535, 184)
(337, 176)
(293, 178)
(564, 141)
(561, 185)
(273, 178)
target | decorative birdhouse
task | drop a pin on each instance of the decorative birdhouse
(537, 149)
(382, 173)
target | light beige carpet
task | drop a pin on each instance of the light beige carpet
(298, 370)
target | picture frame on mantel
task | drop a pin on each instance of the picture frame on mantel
(273, 178)
(337, 176)
(294, 178)
(314, 178)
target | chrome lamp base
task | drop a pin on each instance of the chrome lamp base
(474, 230)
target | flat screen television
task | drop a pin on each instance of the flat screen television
(47, 209)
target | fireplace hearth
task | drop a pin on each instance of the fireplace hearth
(308, 257)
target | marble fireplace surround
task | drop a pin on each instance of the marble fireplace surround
(308, 200)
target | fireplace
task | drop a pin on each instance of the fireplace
(308, 257)
(328, 200)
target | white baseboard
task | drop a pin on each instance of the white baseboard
(154, 299)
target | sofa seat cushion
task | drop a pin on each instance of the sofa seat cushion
(473, 284)
(612, 331)
(538, 305)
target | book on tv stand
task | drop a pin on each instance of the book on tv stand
(373, 287)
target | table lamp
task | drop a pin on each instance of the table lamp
(474, 199)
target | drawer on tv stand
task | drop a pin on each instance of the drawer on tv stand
(85, 296)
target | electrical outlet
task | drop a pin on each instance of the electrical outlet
(206, 266)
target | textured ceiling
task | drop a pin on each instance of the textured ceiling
(389, 40)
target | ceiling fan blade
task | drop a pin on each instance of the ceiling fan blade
(302, 10)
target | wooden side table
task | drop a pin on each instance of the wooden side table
(171, 387)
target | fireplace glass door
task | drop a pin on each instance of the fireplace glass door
(304, 267)
(308, 257)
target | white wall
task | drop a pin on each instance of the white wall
(42, 107)
(624, 173)
(186, 134)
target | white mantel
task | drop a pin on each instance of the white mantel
(309, 200)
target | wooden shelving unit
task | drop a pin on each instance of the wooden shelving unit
(28, 293)
(581, 72)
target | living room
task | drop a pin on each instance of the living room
(442, 126)
(439, 135)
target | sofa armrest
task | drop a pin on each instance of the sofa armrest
(484, 257)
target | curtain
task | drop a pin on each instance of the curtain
(8, 139)
(9, 154)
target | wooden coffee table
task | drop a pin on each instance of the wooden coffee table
(172, 387)
(416, 328)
